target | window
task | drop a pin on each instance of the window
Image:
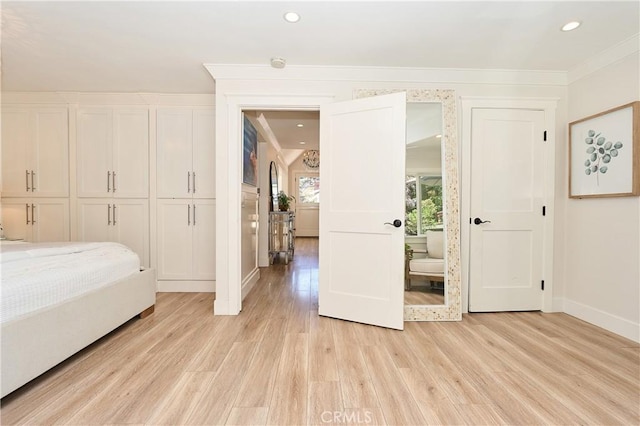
(426, 192)
(309, 189)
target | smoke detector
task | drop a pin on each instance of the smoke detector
(278, 62)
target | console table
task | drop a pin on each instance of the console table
(281, 235)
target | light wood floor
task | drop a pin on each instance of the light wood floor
(279, 363)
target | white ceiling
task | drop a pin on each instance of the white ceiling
(149, 46)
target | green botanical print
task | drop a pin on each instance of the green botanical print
(600, 152)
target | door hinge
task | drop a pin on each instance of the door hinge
(542, 285)
(544, 210)
(545, 135)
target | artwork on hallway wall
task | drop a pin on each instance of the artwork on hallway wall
(249, 153)
(604, 154)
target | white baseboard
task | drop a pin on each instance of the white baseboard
(603, 319)
(250, 281)
(174, 286)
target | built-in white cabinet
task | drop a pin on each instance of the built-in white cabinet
(113, 152)
(36, 219)
(35, 151)
(186, 239)
(185, 153)
(124, 221)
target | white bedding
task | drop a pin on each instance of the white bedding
(37, 276)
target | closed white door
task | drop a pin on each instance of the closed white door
(507, 192)
(131, 153)
(95, 219)
(131, 226)
(50, 153)
(361, 251)
(175, 239)
(50, 219)
(94, 156)
(16, 142)
(204, 177)
(16, 218)
(174, 153)
(203, 221)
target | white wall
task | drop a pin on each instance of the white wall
(308, 87)
(602, 235)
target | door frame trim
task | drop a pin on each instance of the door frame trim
(229, 109)
(548, 106)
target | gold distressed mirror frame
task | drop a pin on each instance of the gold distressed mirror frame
(451, 310)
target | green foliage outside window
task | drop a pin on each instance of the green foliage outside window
(430, 200)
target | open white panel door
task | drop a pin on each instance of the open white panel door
(362, 143)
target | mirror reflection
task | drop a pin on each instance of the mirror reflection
(424, 208)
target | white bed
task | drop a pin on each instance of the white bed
(57, 298)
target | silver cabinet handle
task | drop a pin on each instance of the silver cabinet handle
(108, 214)
(194, 214)
(27, 210)
(114, 214)
(33, 214)
(27, 179)
(113, 179)
(189, 214)
(33, 181)
(108, 181)
(188, 181)
(194, 186)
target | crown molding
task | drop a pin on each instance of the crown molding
(607, 57)
(99, 98)
(386, 74)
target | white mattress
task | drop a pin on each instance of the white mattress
(37, 276)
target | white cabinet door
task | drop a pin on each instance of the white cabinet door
(94, 165)
(14, 218)
(15, 152)
(50, 219)
(130, 153)
(175, 241)
(94, 219)
(130, 220)
(50, 153)
(204, 180)
(35, 152)
(36, 219)
(204, 239)
(174, 153)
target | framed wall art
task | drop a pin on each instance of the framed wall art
(249, 153)
(604, 154)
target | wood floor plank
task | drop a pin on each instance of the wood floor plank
(288, 404)
(278, 362)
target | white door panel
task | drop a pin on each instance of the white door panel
(131, 226)
(174, 152)
(94, 157)
(16, 141)
(131, 153)
(204, 155)
(175, 248)
(204, 239)
(50, 156)
(94, 219)
(362, 256)
(507, 191)
(51, 220)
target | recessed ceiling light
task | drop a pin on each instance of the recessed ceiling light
(299, 125)
(291, 17)
(302, 143)
(278, 62)
(571, 26)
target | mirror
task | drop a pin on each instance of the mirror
(273, 187)
(432, 285)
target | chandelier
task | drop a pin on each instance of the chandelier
(311, 158)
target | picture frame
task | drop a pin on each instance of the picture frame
(249, 152)
(604, 154)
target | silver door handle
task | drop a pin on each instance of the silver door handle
(108, 181)
(194, 213)
(108, 214)
(33, 214)
(194, 186)
(188, 181)
(27, 179)
(114, 214)
(27, 210)
(113, 179)
(189, 214)
(33, 181)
